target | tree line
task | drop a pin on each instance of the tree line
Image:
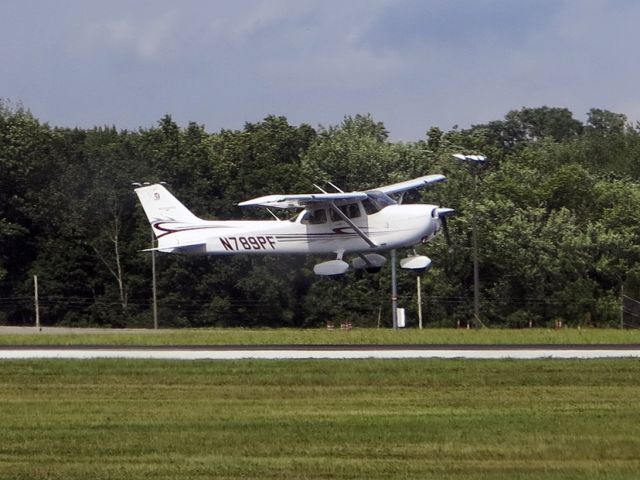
(557, 211)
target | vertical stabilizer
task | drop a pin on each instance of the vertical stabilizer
(159, 204)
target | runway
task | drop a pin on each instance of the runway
(281, 352)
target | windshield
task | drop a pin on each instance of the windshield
(379, 200)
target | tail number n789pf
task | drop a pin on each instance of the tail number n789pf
(266, 242)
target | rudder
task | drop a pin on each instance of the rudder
(159, 204)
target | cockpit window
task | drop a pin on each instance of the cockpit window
(314, 217)
(379, 200)
(351, 210)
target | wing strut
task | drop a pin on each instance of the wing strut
(352, 225)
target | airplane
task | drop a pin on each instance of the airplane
(363, 223)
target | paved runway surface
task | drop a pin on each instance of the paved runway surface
(232, 352)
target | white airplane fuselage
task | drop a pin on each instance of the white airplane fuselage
(394, 226)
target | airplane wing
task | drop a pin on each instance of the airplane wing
(410, 184)
(304, 200)
(301, 201)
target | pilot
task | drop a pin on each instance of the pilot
(314, 217)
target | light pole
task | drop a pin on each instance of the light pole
(154, 297)
(475, 161)
(419, 301)
(153, 282)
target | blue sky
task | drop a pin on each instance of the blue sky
(411, 64)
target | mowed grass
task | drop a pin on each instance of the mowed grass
(373, 336)
(373, 419)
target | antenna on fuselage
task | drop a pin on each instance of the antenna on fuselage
(338, 189)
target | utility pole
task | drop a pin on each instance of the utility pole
(622, 306)
(394, 291)
(36, 303)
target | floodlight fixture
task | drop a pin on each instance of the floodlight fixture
(470, 158)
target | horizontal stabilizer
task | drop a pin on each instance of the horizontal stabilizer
(186, 249)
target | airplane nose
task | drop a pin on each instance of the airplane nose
(438, 222)
(433, 225)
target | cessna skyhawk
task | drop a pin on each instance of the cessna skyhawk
(342, 223)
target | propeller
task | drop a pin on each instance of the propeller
(445, 230)
(443, 213)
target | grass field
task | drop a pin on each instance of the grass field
(318, 336)
(373, 419)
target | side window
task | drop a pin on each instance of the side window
(314, 217)
(353, 211)
(350, 210)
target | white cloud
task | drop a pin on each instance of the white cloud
(146, 37)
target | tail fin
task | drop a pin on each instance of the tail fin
(159, 204)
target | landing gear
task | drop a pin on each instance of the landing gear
(417, 263)
(331, 268)
(370, 262)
